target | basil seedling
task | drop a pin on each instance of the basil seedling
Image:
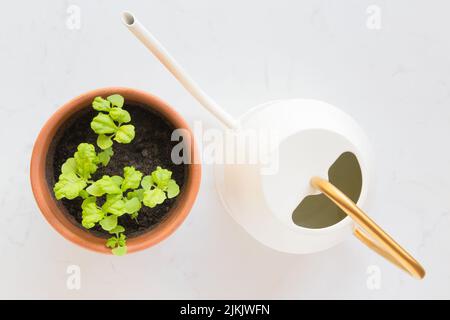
(117, 194)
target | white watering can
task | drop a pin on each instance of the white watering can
(278, 208)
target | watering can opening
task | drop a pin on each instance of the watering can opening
(318, 211)
(302, 155)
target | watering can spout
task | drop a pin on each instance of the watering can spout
(130, 21)
(127, 18)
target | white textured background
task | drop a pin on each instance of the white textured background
(394, 81)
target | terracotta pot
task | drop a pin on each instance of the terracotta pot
(54, 211)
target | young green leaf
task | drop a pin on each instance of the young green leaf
(147, 182)
(132, 178)
(118, 229)
(154, 197)
(114, 204)
(70, 166)
(91, 214)
(120, 115)
(125, 133)
(119, 251)
(104, 156)
(84, 194)
(109, 222)
(122, 240)
(108, 185)
(138, 193)
(104, 141)
(132, 205)
(103, 124)
(101, 104)
(118, 244)
(117, 180)
(95, 190)
(116, 100)
(88, 201)
(161, 177)
(104, 185)
(85, 159)
(172, 189)
(112, 242)
(68, 186)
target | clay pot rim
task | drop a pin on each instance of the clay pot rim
(53, 212)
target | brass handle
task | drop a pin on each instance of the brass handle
(369, 232)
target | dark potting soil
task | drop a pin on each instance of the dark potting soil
(150, 148)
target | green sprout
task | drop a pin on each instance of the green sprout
(109, 122)
(119, 195)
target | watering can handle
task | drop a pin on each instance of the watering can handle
(369, 232)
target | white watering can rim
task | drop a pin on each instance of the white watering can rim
(369, 233)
